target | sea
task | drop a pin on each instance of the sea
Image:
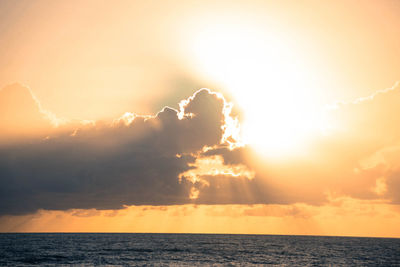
(89, 249)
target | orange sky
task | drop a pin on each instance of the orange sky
(297, 134)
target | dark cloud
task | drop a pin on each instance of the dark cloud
(108, 166)
(136, 160)
(169, 159)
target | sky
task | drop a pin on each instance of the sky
(251, 117)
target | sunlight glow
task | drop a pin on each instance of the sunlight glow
(269, 80)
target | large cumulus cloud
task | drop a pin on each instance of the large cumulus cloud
(134, 160)
(185, 156)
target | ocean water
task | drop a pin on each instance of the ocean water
(195, 250)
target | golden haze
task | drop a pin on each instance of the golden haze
(309, 130)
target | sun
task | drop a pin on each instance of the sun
(269, 79)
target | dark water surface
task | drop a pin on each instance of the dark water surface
(194, 250)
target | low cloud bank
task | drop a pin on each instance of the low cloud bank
(190, 155)
(133, 161)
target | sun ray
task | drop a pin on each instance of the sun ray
(269, 81)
